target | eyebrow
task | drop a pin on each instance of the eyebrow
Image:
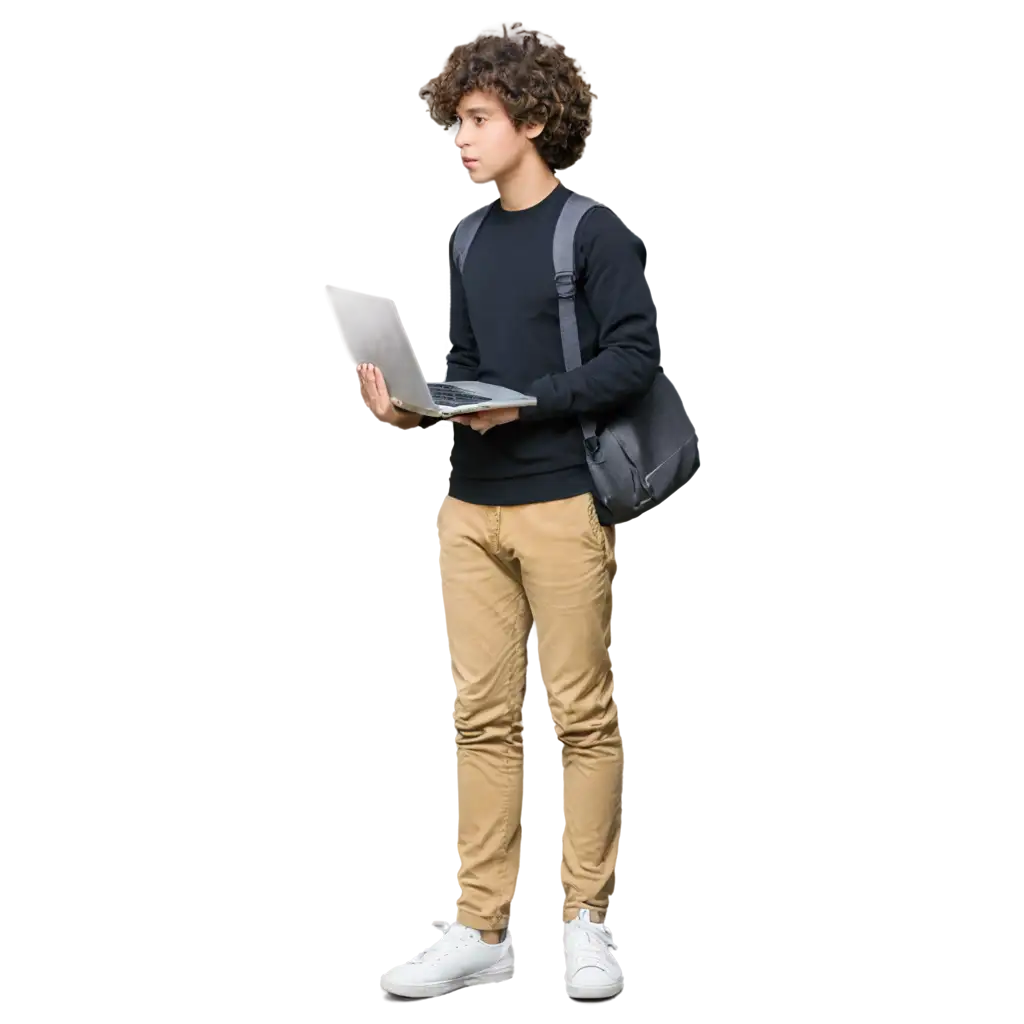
(477, 110)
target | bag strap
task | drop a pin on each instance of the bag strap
(576, 206)
(465, 232)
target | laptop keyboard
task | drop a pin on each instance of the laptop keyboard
(449, 394)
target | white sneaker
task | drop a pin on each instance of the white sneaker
(591, 972)
(460, 957)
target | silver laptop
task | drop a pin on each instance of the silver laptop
(373, 333)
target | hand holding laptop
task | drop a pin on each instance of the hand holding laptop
(371, 332)
(377, 399)
(485, 419)
(375, 394)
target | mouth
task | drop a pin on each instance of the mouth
(470, 163)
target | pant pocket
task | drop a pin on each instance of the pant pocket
(604, 535)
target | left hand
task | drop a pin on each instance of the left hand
(483, 420)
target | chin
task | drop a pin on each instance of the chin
(478, 176)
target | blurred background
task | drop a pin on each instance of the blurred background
(227, 759)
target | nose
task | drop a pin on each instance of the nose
(459, 143)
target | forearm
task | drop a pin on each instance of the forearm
(612, 282)
(612, 378)
(405, 420)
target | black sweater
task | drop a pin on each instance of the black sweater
(504, 330)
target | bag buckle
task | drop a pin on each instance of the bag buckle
(565, 290)
(594, 448)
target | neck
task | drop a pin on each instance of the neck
(526, 185)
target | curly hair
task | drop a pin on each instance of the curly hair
(534, 80)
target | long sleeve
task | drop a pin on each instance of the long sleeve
(611, 276)
(463, 357)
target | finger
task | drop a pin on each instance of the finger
(378, 392)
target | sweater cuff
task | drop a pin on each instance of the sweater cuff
(542, 390)
(431, 424)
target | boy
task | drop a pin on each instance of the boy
(522, 538)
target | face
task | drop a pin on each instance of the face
(486, 133)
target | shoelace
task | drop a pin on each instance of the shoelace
(593, 956)
(442, 931)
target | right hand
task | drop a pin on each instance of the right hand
(375, 393)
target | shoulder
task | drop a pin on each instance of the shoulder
(481, 213)
(602, 233)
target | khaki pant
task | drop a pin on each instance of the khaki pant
(502, 567)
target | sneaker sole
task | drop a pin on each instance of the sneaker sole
(440, 988)
(594, 991)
